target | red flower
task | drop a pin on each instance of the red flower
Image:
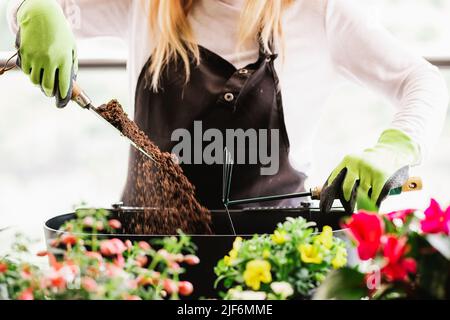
(397, 266)
(401, 214)
(436, 220)
(112, 247)
(185, 288)
(3, 267)
(367, 229)
(68, 239)
(192, 260)
(115, 224)
(27, 294)
(170, 286)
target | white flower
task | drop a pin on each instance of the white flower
(247, 295)
(284, 289)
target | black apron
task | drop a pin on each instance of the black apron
(221, 97)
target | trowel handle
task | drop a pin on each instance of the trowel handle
(80, 97)
(412, 184)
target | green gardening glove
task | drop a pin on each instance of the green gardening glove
(47, 49)
(372, 173)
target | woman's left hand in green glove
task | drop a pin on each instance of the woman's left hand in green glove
(372, 173)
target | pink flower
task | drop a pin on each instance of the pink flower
(170, 286)
(112, 247)
(115, 224)
(141, 260)
(174, 266)
(192, 260)
(88, 222)
(367, 229)
(398, 266)
(401, 214)
(132, 297)
(89, 284)
(94, 255)
(119, 261)
(128, 244)
(27, 294)
(436, 220)
(144, 245)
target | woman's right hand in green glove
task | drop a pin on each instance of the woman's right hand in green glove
(47, 48)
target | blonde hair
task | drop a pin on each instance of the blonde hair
(175, 40)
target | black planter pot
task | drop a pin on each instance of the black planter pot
(212, 248)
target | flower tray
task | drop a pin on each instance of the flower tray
(211, 248)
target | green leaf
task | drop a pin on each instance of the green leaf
(342, 284)
(363, 202)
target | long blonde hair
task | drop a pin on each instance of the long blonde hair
(175, 40)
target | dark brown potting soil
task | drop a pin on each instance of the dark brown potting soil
(160, 187)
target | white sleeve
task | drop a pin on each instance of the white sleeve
(364, 51)
(88, 18)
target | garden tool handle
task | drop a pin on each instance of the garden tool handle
(412, 184)
(80, 97)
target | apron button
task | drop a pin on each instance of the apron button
(243, 71)
(228, 97)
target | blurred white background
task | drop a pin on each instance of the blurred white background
(52, 160)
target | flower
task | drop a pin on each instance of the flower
(367, 229)
(397, 267)
(185, 288)
(310, 253)
(191, 259)
(340, 259)
(68, 239)
(257, 271)
(3, 267)
(132, 298)
(246, 295)
(115, 224)
(436, 220)
(170, 286)
(237, 243)
(88, 222)
(266, 254)
(400, 215)
(144, 245)
(112, 247)
(26, 294)
(283, 289)
(279, 237)
(89, 284)
(141, 260)
(326, 237)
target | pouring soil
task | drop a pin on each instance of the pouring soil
(160, 187)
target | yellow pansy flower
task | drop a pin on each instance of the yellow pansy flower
(326, 237)
(340, 259)
(257, 271)
(279, 237)
(231, 257)
(310, 253)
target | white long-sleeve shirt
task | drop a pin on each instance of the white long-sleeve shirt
(325, 39)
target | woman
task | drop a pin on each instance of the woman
(215, 61)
